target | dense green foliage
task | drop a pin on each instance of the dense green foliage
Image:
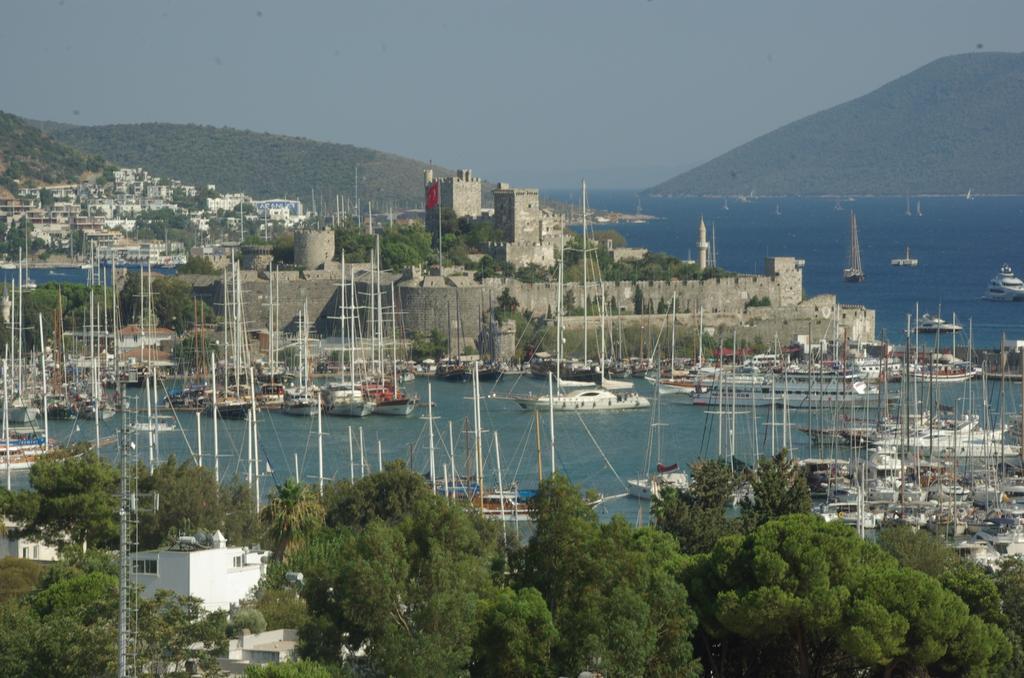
(165, 224)
(802, 597)
(67, 626)
(73, 498)
(951, 125)
(400, 246)
(399, 581)
(172, 304)
(263, 165)
(191, 500)
(421, 585)
(697, 518)
(198, 266)
(31, 157)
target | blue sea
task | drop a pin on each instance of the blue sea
(960, 245)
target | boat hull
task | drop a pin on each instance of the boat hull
(360, 408)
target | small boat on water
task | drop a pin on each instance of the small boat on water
(1005, 286)
(905, 260)
(854, 272)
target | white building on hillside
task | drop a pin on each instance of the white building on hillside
(218, 574)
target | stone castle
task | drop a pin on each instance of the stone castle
(456, 304)
(529, 232)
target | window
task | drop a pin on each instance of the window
(144, 566)
(238, 562)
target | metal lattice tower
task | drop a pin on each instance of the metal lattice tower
(128, 609)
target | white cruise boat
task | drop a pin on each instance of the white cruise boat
(1005, 286)
(796, 387)
(584, 400)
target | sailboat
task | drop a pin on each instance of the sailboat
(588, 398)
(346, 399)
(919, 212)
(778, 210)
(725, 203)
(969, 195)
(666, 475)
(907, 210)
(302, 400)
(854, 272)
(838, 207)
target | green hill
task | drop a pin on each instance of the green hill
(28, 156)
(263, 165)
(952, 125)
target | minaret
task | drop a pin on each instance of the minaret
(702, 245)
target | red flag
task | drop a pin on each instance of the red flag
(432, 195)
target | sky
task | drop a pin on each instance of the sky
(622, 93)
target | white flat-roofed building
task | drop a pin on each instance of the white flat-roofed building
(218, 574)
(22, 547)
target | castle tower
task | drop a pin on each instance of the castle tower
(702, 245)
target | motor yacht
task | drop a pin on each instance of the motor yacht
(1005, 286)
(584, 400)
(929, 324)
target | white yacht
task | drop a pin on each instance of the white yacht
(1005, 286)
(301, 402)
(584, 400)
(929, 324)
(347, 400)
(651, 486)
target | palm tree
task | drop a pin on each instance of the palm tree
(294, 511)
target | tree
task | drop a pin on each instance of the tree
(638, 301)
(779, 489)
(294, 511)
(1009, 581)
(697, 517)
(68, 625)
(917, 549)
(73, 498)
(516, 635)
(406, 587)
(176, 633)
(18, 577)
(197, 265)
(388, 496)
(506, 302)
(798, 596)
(189, 501)
(282, 608)
(246, 618)
(613, 590)
(302, 668)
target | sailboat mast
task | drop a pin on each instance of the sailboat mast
(583, 202)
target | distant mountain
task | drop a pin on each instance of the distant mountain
(263, 165)
(953, 125)
(28, 156)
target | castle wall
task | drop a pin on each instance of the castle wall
(434, 303)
